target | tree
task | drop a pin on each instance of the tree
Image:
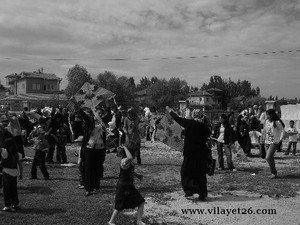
(158, 94)
(123, 87)
(144, 83)
(178, 90)
(162, 92)
(231, 89)
(76, 76)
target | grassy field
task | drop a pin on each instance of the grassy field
(60, 201)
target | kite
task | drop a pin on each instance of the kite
(169, 132)
(90, 96)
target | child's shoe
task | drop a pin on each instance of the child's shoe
(110, 223)
(273, 176)
(88, 193)
(6, 209)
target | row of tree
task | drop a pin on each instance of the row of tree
(160, 92)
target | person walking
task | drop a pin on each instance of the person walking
(273, 134)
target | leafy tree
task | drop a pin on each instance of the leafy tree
(144, 83)
(231, 89)
(123, 87)
(178, 90)
(158, 94)
(162, 92)
(76, 76)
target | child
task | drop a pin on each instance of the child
(40, 146)
(11, 169)
(62, 138)
(293, 136)
(126, 194)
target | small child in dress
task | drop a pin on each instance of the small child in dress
(127, 196)
(40, 146)
(293, 138)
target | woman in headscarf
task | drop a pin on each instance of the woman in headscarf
(242, 134)
(195, 155)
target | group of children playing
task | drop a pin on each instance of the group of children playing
(126, 195)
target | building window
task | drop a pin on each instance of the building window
(33, 86)
(44, 87)
(200, 99)
(207, 99)
(48, 86)
(52, 87)
(38, 86)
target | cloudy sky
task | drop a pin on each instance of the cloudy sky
(164, 38)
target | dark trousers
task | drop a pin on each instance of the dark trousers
(262, 151)
(10, 191)
(138, 154)
(291, 144)
(51, 149)
(81, 172)
(101, 158)
(39, 161)
(19, 142)
(136, 149)
(61, 155)
(1, 175)
(193, 176)
(245, 144)
(92, 168)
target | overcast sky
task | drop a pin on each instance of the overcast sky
(57, 34)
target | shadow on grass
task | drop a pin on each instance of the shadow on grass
(36, 190)
(290, 176)
(157, 189)
(250, 169)
(46, 212)
(161, 164)
(64, 178)
(285, 157)
(229, 197)
(110, 177)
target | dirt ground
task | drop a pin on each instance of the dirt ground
(231, 194)
(276, 203)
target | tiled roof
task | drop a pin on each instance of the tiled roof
(199, 93)
(47, 76)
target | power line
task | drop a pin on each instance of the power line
(278, 52)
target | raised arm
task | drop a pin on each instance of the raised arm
(125, 163)
(181, 121)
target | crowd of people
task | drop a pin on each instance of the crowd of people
(113, 129)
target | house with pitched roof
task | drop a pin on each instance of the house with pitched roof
(33, 82)
(28, 87)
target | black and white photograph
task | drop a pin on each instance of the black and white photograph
(150, 112)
